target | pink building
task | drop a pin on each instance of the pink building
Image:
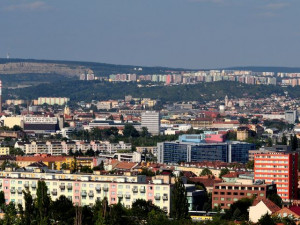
(214, 138)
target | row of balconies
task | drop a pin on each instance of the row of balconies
(136, 190)
(91, 194)
(13, 191)
(164, 197)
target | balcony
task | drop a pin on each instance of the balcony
(91, 194)
(157, 197)
(142, 189)
(105, 188)
(120, 196)
(98, 189)
(69, 187)
(26, 185)
(165, 197)
(135, 190)
(13, 191)
(54, 193)
(33, 185)
(83, 194)
(20, 191)
(127, 196)
(62, 187)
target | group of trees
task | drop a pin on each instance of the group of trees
(87, 91)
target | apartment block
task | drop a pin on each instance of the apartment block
(151, 120)
(225, 194)
(280, 168)
(4, 150)
(58, 148)
(174, 152)
(86, 189)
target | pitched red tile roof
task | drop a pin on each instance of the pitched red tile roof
(207, 181)
(271, 205)
(295, 209)
(125, 165)
(40, 158)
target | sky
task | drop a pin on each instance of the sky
(196, 34)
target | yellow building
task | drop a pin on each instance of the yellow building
(4, 150)
(12, 121)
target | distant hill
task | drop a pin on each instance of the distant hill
(62, 67)
(267, 69)
(95, 90)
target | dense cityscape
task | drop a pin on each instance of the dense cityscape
(230, 159)
(173, 112)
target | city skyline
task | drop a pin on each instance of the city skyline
(179, 33)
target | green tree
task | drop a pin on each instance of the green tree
(101, 165)
(43, 201)
(284, 140)
(269, 142)
(236, 214)
(16, 151)
(266, 220)
(243, 120)
(141, 208)
(118, 215)
(10, 216)
(130, 131)
(223, 172)
(155, 218)
(179, 207)
(255, 121)
(90, 152)
(63, 211)
(276, 199)
(2, 200)
(243, 205)
(30, 210)
(144, 132)
(250, 165)
(294, 142)
(206, 172)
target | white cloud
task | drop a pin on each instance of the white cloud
(276, 6)
(30, 6)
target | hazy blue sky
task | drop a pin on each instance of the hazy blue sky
(177, 33)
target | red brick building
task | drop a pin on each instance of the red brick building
(280, 168)
(225, 194)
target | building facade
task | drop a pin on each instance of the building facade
(174, 152)
(86, 189)
(151, 120)
(280, 168)
(225, 194)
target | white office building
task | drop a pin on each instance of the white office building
(151, 120)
